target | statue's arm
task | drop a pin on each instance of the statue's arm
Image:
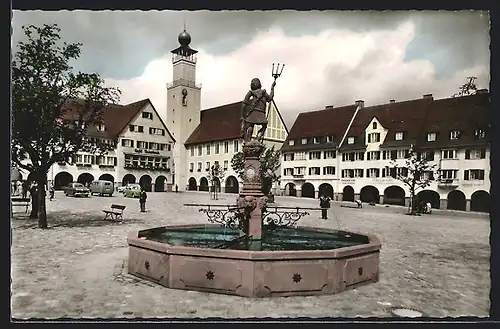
(270, 96)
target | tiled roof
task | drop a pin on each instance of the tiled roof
(322, 123)
(220, 123)
(416, 118)
(117, 117)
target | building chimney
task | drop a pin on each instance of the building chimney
(481, 91)
(428, 96)
(329, 107)
(360, 103)
(392, 101)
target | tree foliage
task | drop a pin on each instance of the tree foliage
(269, 167)
(417, 173)
(468, 88)
(52, 106)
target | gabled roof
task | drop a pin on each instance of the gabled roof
(416, 118)
(220, 123)
(116, 118)
(322, 123)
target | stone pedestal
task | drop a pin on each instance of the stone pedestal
(251, 196)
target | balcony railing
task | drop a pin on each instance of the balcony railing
(183, 82)
(298, 175)
(443, 182)
(147, 167)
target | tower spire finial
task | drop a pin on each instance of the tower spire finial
(184, 22)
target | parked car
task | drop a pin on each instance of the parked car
(132, 191)
(76, 189)
(102, 187)
(121, 189)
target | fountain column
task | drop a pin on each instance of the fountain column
(251, 195)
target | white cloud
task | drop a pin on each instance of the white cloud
(335, 67)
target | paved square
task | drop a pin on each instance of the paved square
(438, 264)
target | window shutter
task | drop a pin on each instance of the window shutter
(163, 132)
(361, 173)
(367, 173)
(467, 154)
(368, 156)
(466, 175)
(383, 172)
(483, 153)
(115, 161)
(384, 155)
(481, 174)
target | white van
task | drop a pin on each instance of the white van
(101, 187)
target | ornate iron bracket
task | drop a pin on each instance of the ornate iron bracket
(283, 216)
(226, 215)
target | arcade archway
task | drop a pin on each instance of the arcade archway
(204, 184)
(128, 179)
(456, 200)
(232, 185)
(107, 177)
(430, 196)
(348, 193)
(394, 195)
(192, 185)
(326, 190)
(290, 189)
(480, 201)
(369, 193)
(307, 190)
(85, 178)
(146, 181)
(160, 183)
(62, 179)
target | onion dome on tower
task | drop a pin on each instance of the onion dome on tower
(184, 49)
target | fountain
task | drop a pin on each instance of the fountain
(250, 248)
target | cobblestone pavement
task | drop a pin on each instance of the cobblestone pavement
(438, 264)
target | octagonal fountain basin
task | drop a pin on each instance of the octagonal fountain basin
(287, 261)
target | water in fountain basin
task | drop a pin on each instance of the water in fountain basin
(285, 238)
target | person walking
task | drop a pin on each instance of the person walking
(142, 199)
(52, 191)
(324, 203)
(176, 188)
(25, 187)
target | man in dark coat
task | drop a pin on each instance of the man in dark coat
(324, 203)
(142, 199)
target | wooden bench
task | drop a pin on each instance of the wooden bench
(22, 202)
(116, 212)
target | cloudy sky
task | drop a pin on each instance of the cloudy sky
(331, 57)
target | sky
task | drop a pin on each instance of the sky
(331, 57)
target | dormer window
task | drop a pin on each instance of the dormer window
(317, 140)
(329, 139)
(455, 134)
(431, 137)
(374, 125)
(101, 127)
(350, 140)
(398, 136)
(291, 142)
(304, 141)
(479, 133)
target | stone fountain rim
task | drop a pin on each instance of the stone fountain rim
(372, 246)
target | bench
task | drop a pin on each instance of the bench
(116, 212)
(22, 202)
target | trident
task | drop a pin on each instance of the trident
(275, 74)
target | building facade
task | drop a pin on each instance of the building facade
(352, 156)
(142, 151)
(207, 137)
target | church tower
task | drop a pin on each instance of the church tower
(183, 104)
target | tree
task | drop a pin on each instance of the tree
(216, 174)
(53, 107)
(417, 173)
(468, 88)
(269, 167)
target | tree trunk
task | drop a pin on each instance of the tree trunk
(34, 204)
(42, 211)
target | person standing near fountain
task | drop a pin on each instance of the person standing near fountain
(324, 203)
(142, 199)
